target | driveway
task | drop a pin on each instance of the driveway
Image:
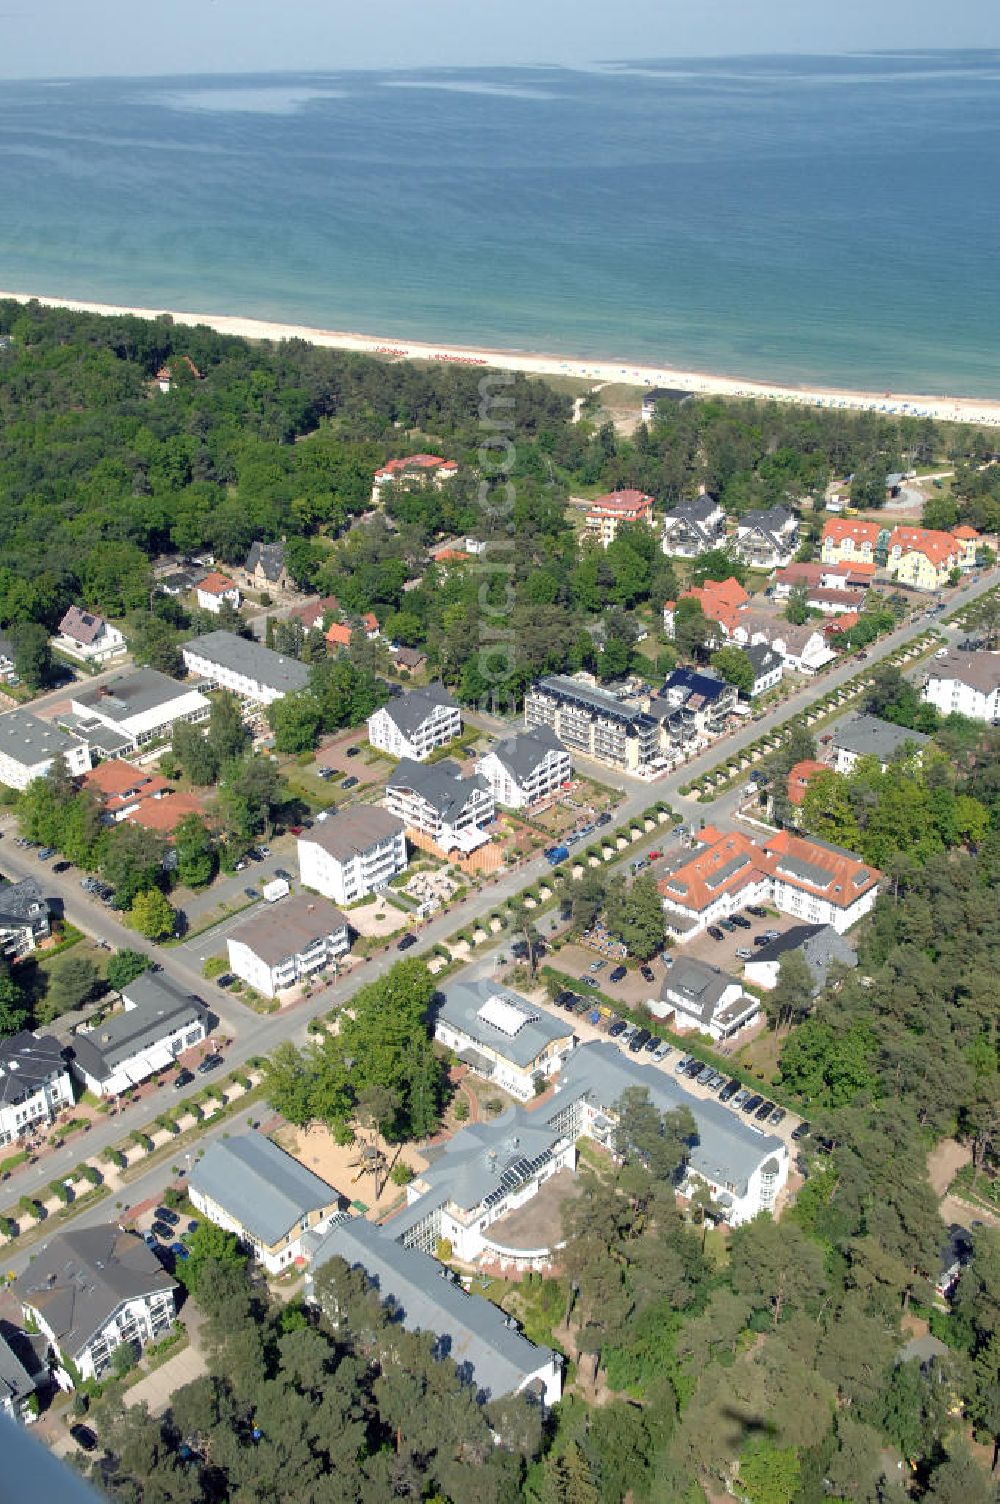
(157, 1389)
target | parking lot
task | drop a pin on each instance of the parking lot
(722, 953)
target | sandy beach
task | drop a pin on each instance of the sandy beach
(978, 410)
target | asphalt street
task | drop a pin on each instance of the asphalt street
(254, 1034)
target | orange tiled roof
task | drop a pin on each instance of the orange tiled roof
(934, 545)
(216, 584)
(965, 531)
(696, 884)
(164, 815)
(114, 778)
(627, 503)
(843, 622)
(838, 528)
(312, 613)
(800, 776)
(415, 462)
(847, 876)
(370, 621)
(339, 634)
(720, 600)
(450, 555)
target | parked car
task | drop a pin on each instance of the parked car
(705, 1075)
(163, 1231)
(750, 1106)
(406, 942)
(350, 782)
(761, 939)
(84, 1437)
(727, 925)
(755, 908)
(729, 1091)
(771, 934)
(596, 966)
(166, 1215)
(324, 773)
(618, 975)
(715, 932)
(45, 852)
(662, 1051)
(637, 1041)
(352, 752)
(654, 855)
(764, 1111)
(589, 981)
(740, 1100)
(210, 1063)
(741, 921)
(280, 872)
(801, 1132)
(777, 1116)
(179, 1251)
(743, 954)
(694, 1069)
(183, 1078)
(646, 972)
(149, 1239)
(564, 997)
(61, 866)
(617, 1028)
(555, 854)
(653, 1044)
(604, 819)
(682, 1064)
(251, 892)
(226, 980)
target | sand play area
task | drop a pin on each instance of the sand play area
(338, 1164)
(378, 918)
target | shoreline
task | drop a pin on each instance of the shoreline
(605, 370)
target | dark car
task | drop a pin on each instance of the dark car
(210, 1063)
(61, 866)
(764, 1111)
(84, 1437)
(715, 932)
(325, 773)
(163, 1231)
(226, 980)
(166, 1215)
(646, 972)
(565, 999)
(350, 782)
(729, 1091)
(280, 872)
(761, 940)
(251, 892)
(693, 1068)
(604, 819)
(589, 981)
(618, 1027)
(182, 1079)
(352, 752)
(406, 942)
(740, 920)
(777, 1116)
(726, 924)
(637, 1041)
(801, 1132)
(618, 975)
(756, 910)
(752, 1103)
(653, 1043)
(179, 1251)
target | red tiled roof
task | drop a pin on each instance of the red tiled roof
(801, 574)
(216, 584)
(370, 621)
(934, 545)
(415, 462)
(844, 622)
(720, 600)
(965, 531)
(847, 876)
(450, 556)
(695, 885)
(800, 776)
(831, 597)
(838, 528)
(164, 815)
(339, 634)
(627, 503)
(114, 778)
(313, 612)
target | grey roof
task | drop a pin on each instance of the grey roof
(521, 754)
(131, 694)
(695, 512)
(276, 931)
(22, 903)
(103, 739)
(161, 1007)
(460, 1008)
(768, 520)
(472, 1331)
(726, 1149)
(261, 1187)
(597, 701)
(353, 830)
(412, 709)
(870, 736)
(978, 670)
(179, 580)
(243, 656)
(270, 557)
(440, 783)
(925, 1349)
(763, 658)
(27, 1061)
(820, 946)
(79, 1278)
(29, 741)
(471, 1165)
(699, 986)
(21, 1368)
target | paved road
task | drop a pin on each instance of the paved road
(257, 1035)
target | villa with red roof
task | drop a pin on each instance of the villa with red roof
(849, 540)
(338, 634)
(800, 776)
(726, 871)
(86, 636)
(721, 601)
(413, 467)
(126, 792)
(167, 374)
(924, 557)
(214, 590)
(312, 614)
(606, 514)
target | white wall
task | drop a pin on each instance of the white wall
(951, 695)
(17, 1119)
(347, 882)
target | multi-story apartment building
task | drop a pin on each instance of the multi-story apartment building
(35, 1083)
(29, 747)
(594, 721)
(248, 669)
(285, 942)
(964, 683)
(607, 514)
(526, 768)
(415, 724)
(694, 527)
(767, 539)
(352, 853)
(438, 802)
(501, 1036)
(24, 917)
(849, 540)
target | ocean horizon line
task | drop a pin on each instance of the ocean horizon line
(602, 370)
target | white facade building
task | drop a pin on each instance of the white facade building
(501, 1037)
(217, 590)
(88, 637)
(859, 736)
(767, 539)
(416, 724)
(438, 802)
(694, 527)
(159, 1023)
(287, 942)
(248, 669)
(768, 668)
(140, 707)
(963, 683)
(29, 747)
(352, 853)
(89, 1290)
(526, 768)
(704, 998)
(35, 1083)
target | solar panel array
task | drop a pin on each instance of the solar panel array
(516, 1175)
(505, 1015)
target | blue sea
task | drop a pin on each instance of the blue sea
(803, 219)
